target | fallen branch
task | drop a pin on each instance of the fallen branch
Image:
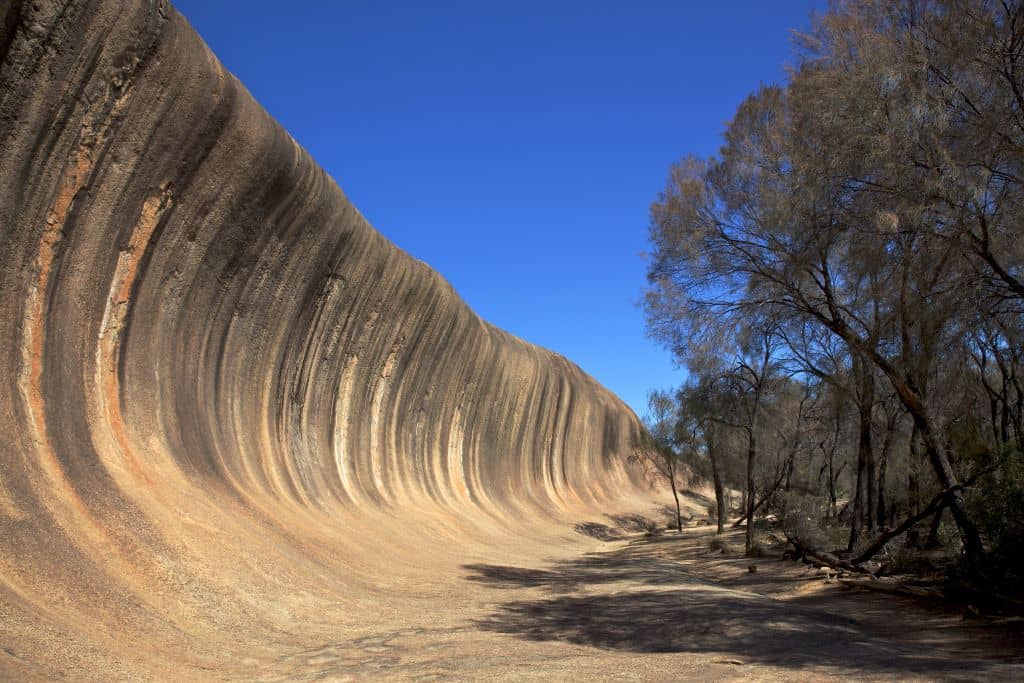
(883, 538)
(764, 499)
(941, 499)
(824, 558)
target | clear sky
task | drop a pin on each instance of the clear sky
(513, 146)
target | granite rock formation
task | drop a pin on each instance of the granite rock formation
(233, 416)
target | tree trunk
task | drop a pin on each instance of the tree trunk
(867, 420)
(675, 494)
(865, 496)
(857, 512)
(832, 502)
(933, 530)
(913, 480)
(948, 480)
(751, 456)
(830, 456)
(883, 462)
(720, 501)
(880, 510)
(871, 517)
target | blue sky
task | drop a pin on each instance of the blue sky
(515, 147)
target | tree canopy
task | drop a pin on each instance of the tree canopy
(850, 265)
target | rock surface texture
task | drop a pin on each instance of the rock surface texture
(241, 433)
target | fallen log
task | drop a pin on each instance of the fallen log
(821, 557)
(938, 501)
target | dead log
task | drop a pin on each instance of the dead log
(940, 500)
(821, 557)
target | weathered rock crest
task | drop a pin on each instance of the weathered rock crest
(228, 404)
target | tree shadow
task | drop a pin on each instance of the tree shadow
(662, 608)
(634, 523)
(601, 532)
(639, 564)
(697, 497)
(622, 525)
(567, 581)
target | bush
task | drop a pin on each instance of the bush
(718, 544)
(634, 523)
(800, 517)
(903, 560)
(900, 559)
(757, 549)
(948, 536)
(996, 503)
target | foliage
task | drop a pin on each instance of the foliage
(718, 544)
(802, 517)
(845, 281)
(997, 502)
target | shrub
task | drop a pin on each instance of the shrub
(757, 549)
(801, 518)
(718, 544)
(996, 502)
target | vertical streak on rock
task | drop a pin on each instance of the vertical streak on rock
(98, 124)
(108, 410)
(342, 411)
(224, 394)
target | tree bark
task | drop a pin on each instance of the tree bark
(675, 494)
(865, 495)
(751, 456)
(913, 478)
(720, 501)
(933, 541)
(883, 462)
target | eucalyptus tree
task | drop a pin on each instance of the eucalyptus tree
(773, 230)
(870, 208)
(702, 402)
(928, 94)
(658, 450)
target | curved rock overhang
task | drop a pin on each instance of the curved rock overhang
(224, 397)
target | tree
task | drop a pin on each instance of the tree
(768, 232)
(657, 449)
(873, 201)
(697, 407)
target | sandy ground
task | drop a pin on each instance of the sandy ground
(590, 598)
(629, 607)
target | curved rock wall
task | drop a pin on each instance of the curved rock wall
(224, 398)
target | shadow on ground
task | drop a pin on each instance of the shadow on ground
(638, 599)
(621, 525)
(640, 565)
(601, 532)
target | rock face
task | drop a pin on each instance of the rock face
(227, 404)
